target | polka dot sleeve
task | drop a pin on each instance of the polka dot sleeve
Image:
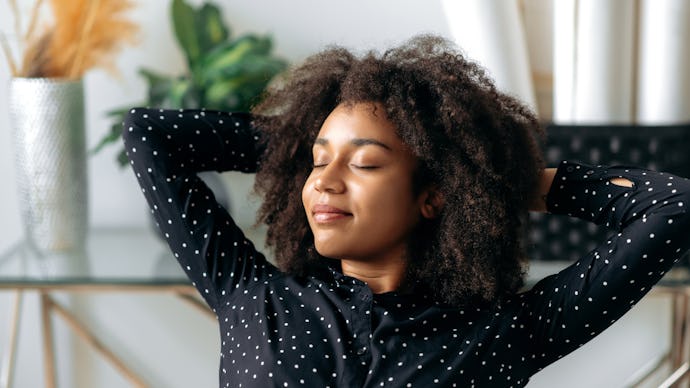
(166, 149)
(650, 224)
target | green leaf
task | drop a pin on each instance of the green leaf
(184, 23)
(118, 113)
(178, 91)
(115, 131)
(232, 53)
(252, 66)
(212, 30)
(159, 87)
(122, 158)
(219, 94)
(235, 94)
(111, 137)
(237, 86)
(250, 92)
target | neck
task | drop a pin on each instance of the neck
(380, 276)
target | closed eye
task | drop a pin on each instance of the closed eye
(365, 167)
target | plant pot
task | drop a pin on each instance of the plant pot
(47, 119)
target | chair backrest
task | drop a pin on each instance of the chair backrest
(660, 148)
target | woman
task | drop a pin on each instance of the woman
(396, 190)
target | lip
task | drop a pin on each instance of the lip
(323, 213)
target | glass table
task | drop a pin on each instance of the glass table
(113, 260)
(136, 260)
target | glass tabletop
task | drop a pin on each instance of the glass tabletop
(138, 257)
(111, 256)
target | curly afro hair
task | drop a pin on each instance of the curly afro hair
(477, 146)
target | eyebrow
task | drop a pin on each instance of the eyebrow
(359, 142)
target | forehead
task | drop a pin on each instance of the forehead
(359, 120)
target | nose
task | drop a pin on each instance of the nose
(330, 180)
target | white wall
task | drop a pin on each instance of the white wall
(168, 340)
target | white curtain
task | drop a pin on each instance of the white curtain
(594, 61)
(491, 32)
(621, 61)
(663, 95)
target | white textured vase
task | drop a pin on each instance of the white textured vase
(47, 119)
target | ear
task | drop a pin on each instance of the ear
(431, 202)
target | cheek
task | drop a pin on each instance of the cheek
(390, 196)
(305, 193)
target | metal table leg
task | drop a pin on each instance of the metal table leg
(680, 341)
(677, 376)
(190, 299)
(81, 331)
(677, 357)
(48, 348)
(7, 371)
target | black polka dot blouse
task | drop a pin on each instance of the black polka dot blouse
(329, 330)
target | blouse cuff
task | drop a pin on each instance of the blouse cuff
(583, 191)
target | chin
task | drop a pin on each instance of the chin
(329, 251)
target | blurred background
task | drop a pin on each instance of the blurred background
(575, 62)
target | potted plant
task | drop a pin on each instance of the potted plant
(222, 73)
(46, 106)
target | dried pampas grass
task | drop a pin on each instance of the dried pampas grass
(84, 34)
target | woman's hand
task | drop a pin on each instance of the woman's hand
(538, 202)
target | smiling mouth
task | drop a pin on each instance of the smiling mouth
(326, 217)
(322, 213)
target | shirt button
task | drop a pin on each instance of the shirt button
(570, 168)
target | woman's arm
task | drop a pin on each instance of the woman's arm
(166, 149)
(647, 211)
(545, 181)
(538, 203)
